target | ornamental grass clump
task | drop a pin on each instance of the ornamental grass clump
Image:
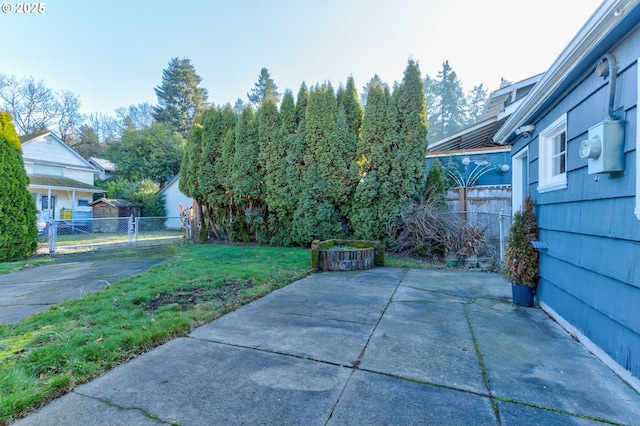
(520, 257)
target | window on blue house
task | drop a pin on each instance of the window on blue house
(553, 156)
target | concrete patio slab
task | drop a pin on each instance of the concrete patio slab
(383, 346)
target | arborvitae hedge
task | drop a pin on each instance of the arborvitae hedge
(319, 168)
(18, 231)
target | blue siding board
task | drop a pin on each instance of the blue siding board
(615, 259)
(622, 345)
(590, 274)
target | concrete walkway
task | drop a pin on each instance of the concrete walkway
(32, 290)
(384, 346)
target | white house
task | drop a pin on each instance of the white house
(60, 180)
(174, 198)
(106, 169)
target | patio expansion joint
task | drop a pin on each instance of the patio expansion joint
(121, 407)
(355, 365)
(270, 351)
(555, 410)
(487, 384)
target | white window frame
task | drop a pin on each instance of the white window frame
(637, 210)
(518, 191)
(547, 181)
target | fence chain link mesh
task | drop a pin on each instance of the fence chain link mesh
(63, 236)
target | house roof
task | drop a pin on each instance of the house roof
(61, 183)
(605, 27)
(102, 163)
(115, 202)
(169, 184)
(35, 138)
(500, 104)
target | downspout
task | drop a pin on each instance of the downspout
(609, 66)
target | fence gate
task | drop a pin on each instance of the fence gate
(64, 236)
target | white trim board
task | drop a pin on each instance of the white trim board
(624, 374)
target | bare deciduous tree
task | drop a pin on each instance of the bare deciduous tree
(36, 107)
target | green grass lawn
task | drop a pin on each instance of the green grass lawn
(46, 355)
(7, 267)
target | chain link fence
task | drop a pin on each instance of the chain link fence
(64, 236)
(495, 227)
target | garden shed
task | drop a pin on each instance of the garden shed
(112, 208)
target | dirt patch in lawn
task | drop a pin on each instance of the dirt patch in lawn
(230, 290)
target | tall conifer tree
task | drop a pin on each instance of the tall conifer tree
(247, 177)
(316, 215)
(265, 89)
(364, 215)
(18, 232)
(180, 98)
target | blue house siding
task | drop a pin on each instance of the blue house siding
(590, 274)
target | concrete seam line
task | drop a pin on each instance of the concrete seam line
(355, 365)
(476, 347)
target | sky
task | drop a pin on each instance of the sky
(112, 52)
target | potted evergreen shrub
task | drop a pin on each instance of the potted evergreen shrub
(520, 257)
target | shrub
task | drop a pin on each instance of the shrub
(521, 258)
(18, 232)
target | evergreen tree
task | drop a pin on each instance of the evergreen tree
(395, 167)
(18, 232)
(273, 134)
(179, 97)
(431, 96)
(247, 190)
(504, 83)
(239, 106)
(317, 215)
(348, 98)
(365, 89)
(189, 167)
(296, 167)
(301, 103)
(449, 108)
(288, 113)
(413, 124)
(435, 189)
(364, 213)
(265, 89)
(218, 161)
(476, 101)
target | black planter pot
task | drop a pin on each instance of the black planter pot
(522, 294)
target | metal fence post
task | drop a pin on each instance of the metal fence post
(501, 237)
(52, 230)
(130, 229)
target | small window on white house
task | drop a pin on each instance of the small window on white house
(553, 156)
(83, 203)
(45, 169)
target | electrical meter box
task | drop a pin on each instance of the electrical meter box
(605, 147)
